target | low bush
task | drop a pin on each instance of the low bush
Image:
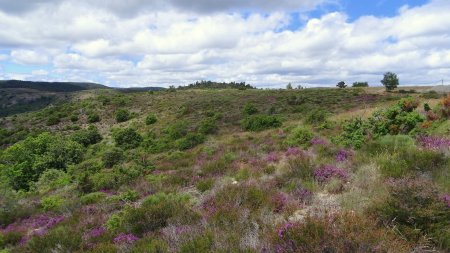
(155, 212)
(353, 133)
(249, 109)
(127, 138)
(316, 117)
(189, 141)
(92, 198)
(93, 118)
(260, 122)
(87, 136)
(150, 119)
(344, 233)
(176, 130)
(113, 157)
(53, 120)
(201, 243)
(122, 115)
(150, 245)
(415, 209)
(51, 179)
(299, 136)
(52, 203)
(208, 126)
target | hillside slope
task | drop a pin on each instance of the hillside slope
(228, 170)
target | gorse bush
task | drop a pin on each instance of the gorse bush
(317, 116)
(260, 122)
(127, 138)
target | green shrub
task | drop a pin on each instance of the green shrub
(360, 84)
(27, 160)
(150, 245)
(155, 212)
(122, 115)
(249, 109)
(316, 117)
(93, 118)
(205, 184)
(415, 210)
(127, 138)
(129, 196)
(299, 136)
(74, 117)
(53, 120)
(52, 179)
(151, 119)
(60, 239)
(87, 136)
(353, 133)
(114, 222)
(52, 203)
(92, 198)
(208, 126)
(200, 244)
(10, 239)
(189, 141)
(112, 157)
(260, 122)
(176, 130)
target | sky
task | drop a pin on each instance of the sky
(268, 43)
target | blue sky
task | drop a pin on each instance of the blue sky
(266, 43)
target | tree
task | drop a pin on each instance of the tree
(289, 86)
(341, 84)
(390, 81)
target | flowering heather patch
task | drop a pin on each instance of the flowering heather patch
(94, 233)
(302, 194)
(272, 157)
(37, 225)
(279, 200)
(293, 151)
(318, 141)
(325, 173)
(343, 155)
(433, 142)
(446, 199)
(123, 238)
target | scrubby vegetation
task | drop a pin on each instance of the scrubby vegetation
(228, 170)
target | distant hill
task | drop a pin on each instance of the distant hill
(51, 86)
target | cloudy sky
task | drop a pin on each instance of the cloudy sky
(267, 43)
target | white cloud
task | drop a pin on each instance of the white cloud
(28, 57)
(39, 72)
(176, 42)
(4, 57)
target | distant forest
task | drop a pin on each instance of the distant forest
(217, 85)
